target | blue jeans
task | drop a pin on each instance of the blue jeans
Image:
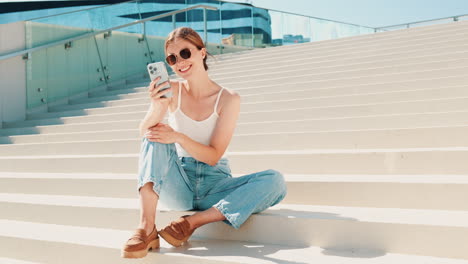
(184, 183)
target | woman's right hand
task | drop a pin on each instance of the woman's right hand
(155, 94)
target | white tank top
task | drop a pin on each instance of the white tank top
(199, 131)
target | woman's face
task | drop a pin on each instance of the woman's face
(186, 68)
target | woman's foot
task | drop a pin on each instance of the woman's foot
(139, 244)
(178, 232)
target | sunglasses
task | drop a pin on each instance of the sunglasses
(184, 54)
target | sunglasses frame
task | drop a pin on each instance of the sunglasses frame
(179, 56)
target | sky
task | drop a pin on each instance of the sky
(373, 13)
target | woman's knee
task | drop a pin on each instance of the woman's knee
(155, 144)
(159, 149)
(276, 181)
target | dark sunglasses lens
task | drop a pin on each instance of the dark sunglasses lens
(171, 59)
(185, 54)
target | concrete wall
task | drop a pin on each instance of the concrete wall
(12, 73)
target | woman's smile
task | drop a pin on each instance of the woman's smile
(186, 69)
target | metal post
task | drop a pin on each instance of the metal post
(252, 17)
(204, 30)
(173, 21)
(220, 29)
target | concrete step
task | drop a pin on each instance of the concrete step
(302, 89)
(329, 59)
(300, 99)
(353, 139)
(361, 41)
(102, 245)
(384, 73)
(334, 227)
(336, 62)
(411, 33)
(377, 191)
(357, 41)
(53, 243)
(345, 52)
(375, 97)
(67, 137)
(392, 85)
(296, 124)
(15, 261)
(71, 128)
(319, 107)
(349, 78)
(363, 161)
(128, 141)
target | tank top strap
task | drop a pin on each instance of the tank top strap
(179, 96)
(217, 100)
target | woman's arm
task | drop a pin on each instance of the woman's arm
(158, 107)
(154, 115)
(221, 136)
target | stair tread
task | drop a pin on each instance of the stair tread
(267, 152)
(348, 178)
(201, 251)
(361, 214)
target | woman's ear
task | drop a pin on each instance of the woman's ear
(203, 50)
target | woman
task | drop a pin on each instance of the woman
(183, 163)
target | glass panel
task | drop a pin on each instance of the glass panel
(276, 28)
(57, 72)
(163, 26)
(115, 15)
(433, 22)
(324, 30)
(50, 29)
(296, 29)
(463, 18)
(237, 25)
(124, 53)
(195, 20)
(262, 27)
(36, 79)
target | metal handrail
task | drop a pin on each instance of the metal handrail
(455, 18)
(92, 34)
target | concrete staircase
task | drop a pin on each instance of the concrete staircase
(370, 132)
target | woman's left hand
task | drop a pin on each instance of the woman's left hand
(162, 133)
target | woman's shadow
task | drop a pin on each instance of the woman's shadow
(227, 249)
(269, 252)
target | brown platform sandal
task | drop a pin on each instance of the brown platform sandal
(139, 244)
(178, 232)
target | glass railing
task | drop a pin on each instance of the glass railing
(71, 54)
(436, 21)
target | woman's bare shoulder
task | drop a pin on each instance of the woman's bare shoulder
(230, 94)
(228, 97)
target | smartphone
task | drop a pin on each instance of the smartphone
(158, 69)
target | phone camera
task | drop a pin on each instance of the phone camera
(152, 72)
(150, 67)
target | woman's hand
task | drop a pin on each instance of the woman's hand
(155, 94)
(162, 133)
